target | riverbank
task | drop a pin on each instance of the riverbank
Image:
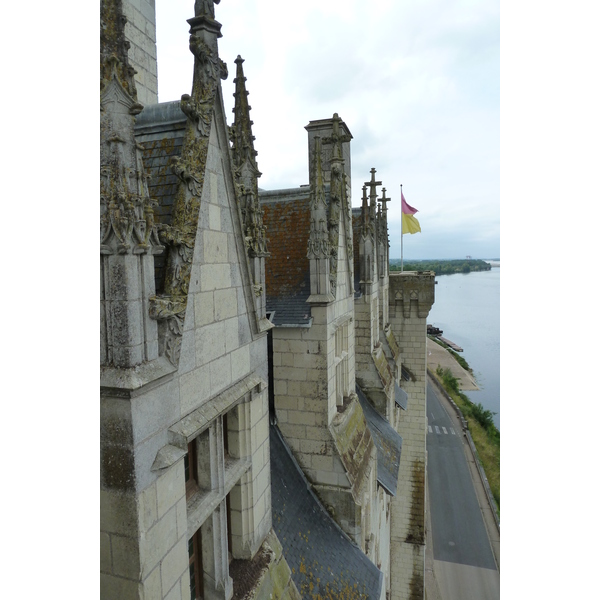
(437, 355)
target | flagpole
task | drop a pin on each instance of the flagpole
(401, 237)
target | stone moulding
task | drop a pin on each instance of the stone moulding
(391, 340)
(128, 383)
(413, 287)
(383, 369)
(198, 420)
(170, 313)
(354, 444)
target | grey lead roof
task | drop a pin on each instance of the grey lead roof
(401, 397)
(325, 563)
(160, 129)
(388, 443)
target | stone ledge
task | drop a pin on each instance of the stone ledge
(127, 383)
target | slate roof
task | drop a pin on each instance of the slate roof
(388, 443)
(286, 216)
(160, 129)
(325, 563)
(401, 397)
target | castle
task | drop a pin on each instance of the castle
(262, 372)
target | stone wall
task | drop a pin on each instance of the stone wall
(140, 30)
(411, 297)
(149, 418)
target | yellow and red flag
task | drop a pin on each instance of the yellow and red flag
(409, 221)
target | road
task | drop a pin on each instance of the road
(463, 562)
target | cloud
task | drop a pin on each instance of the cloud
(416, 83)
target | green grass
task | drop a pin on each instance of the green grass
(480, 423)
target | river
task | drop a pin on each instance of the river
(467, 309)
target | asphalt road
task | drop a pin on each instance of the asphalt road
(464, 564)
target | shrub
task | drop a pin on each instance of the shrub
(450, 382)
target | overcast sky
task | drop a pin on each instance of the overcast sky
(417, 83)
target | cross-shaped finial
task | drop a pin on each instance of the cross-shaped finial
(373, 184)
(384, 202)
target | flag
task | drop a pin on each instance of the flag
(409, 221)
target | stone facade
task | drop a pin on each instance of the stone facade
(313, 357)
(228, 315)
(185, 465)
(411, 298)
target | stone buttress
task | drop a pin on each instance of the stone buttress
(378, 360)
(310, 297)
(410, 300)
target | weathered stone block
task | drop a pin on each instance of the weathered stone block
(232, 333)
(116, 587)
(173, 566)
(170, 488)
(148, 509)
(215, 247)
(240, 363)
(159, 537)
(215, 277)
(126, 559)
(210, 342)
(105, 553)
(220, 373)
(225, 304)
(152, 586)
(118, 470)
(194, 388)
(204, 308)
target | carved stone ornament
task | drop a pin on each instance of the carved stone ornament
(170, 313)
(319, 245)
(126, 209)
(190, 167)
(318, 241)
(246, 170)
(252, 216)
(208, 69)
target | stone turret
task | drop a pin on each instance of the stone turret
(332, 132)
(411, 299)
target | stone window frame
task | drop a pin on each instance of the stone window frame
(341, 361)
(219, 473)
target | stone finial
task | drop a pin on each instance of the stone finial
(373, 193)
(241, 131)
(245, 167)
(384, 200)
